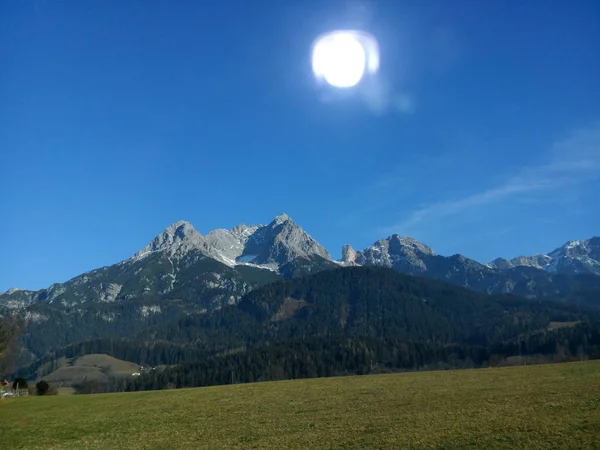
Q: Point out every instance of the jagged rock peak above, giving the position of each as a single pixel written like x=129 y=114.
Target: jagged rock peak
x=538 y=261
x=176 y=239
x=413 y=244
x=281 y=218
x=279 y=243
x=12 y=290
x=179 y=225
x=348 y=254
x=576 y=248
x=244 y=230
x=402 y=253
x=500 y=263
x=574 y=257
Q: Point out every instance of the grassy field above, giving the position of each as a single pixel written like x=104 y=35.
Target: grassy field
x=556 y=325
x=546 y=406
x=72 y=371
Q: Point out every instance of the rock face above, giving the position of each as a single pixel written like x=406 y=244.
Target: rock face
x=348 y=255
x=529 y=277
x=401 y=253
x=538 y=261
x=576 y=257
x=573 y=258
x=280 y=243
x=176 y=240
x=181 y=258
x=182 y=272
x=271 y=246
x=228 y=245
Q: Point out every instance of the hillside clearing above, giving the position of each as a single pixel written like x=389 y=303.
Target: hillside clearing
x=93 y=367
x=545 y=406
x=555 y=325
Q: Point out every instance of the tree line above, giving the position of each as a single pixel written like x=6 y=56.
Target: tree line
x=325 y=356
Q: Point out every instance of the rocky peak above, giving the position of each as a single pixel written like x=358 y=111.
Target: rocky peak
x=402 y=253
x=244 y=231
x=408 y=245
x=281 y=218
x=348 y=254
x=176 y=240
x=576 y=248
x=12 y=290
x=228 y=245
x=574 y=257
x=500 y=263
x=538 y=261
x=280 y=242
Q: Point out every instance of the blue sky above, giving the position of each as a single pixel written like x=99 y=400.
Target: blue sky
x=481 y=135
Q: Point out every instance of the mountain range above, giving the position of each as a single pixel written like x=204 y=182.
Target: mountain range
x=182 y=272
x=177 y=257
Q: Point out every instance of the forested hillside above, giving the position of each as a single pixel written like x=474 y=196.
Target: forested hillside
x=349 y=320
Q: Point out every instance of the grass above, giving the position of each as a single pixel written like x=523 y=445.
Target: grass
x=114 y=365
x=546 y=406
x=91 y=367
x=557 y=325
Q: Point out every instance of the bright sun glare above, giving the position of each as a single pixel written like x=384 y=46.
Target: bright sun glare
x=341 y=57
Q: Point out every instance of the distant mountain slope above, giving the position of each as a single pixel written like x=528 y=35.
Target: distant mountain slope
x=411 y=257
x=352 y=304
x=181 y=272
x=180 y=257
x=367 y=301
x=573 y=258
x=228 y=262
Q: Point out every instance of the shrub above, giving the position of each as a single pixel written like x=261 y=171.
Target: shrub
x=42 y=387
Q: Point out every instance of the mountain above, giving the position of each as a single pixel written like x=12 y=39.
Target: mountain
x=362 y=301
x=179 y=272
x=573 y=258
x=273 y=246
x=381 y=302
x=411 y=257
x=180 y=257
x=224 y=264
x=347 y=320
x=182 y=272
x=538 y=261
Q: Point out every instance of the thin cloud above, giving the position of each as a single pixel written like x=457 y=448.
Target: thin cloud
x=572 y=162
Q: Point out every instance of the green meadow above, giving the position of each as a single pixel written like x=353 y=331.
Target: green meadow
x=543 y=406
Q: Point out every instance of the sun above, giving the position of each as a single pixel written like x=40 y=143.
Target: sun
x=340 y=58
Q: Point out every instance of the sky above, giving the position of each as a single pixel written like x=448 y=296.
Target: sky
x=479 y=135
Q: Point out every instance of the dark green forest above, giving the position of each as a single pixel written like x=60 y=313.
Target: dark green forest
x=326 y=356
x=345 y=321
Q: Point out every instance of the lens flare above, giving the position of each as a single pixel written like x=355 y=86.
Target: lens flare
x=341 y=58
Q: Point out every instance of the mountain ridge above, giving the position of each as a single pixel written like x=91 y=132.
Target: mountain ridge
x=278 y=245
x=574 y=257
x=181 y=272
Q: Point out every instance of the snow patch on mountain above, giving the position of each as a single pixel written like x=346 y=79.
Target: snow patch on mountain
x=394 y=251
x=267 y=246
x=573 y=258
